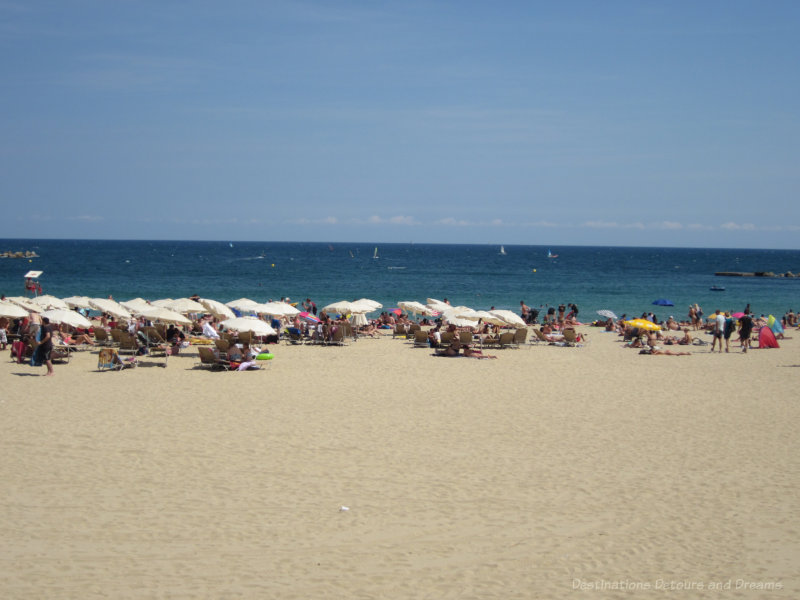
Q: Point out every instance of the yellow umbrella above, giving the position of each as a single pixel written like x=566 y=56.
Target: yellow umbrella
x=644 y=324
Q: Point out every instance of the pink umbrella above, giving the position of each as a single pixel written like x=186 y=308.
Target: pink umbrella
x=309 y=317
x=737 y=315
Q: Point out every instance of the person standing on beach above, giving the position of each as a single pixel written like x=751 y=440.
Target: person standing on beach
x=745 y=329
x=730 y=327
x=718 y=330
x=45 y=347
x=524 y=310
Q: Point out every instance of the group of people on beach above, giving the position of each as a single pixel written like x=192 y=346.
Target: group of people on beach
x=563 y=314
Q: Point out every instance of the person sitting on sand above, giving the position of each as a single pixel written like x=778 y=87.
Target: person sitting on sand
x=687 y=339
x=659 y=350
x=471 y=353
x=452 y=350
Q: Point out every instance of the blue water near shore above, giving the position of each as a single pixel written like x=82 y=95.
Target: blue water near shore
x=625 y=280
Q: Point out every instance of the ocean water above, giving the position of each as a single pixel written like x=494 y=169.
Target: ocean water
x=625 y=280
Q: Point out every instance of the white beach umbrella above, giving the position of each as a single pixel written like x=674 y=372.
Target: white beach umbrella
x=342 y=306
x=186 y=306
x=25 y=303
x=412 y=306
x=68 y=317
x=12 y=311
x=217 y=308
x=462 y=312
x=276 y=309
x=77 y=302
x=137 y=304
x=242 y=304
x=437 y=305
x=608 y=314
x=509 y=317
x=488 y=317
x=111 y=307
x=46 y=302
x=373 y=303
x=359 y=319
x=363 y=306
x=165 y=302
x=459 y=322
x=165 y=315
x=256 y=326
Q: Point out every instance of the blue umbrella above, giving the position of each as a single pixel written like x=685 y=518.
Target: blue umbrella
x=663 y=302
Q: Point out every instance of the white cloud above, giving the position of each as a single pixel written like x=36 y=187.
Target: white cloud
x=738 y=226
x=670 y=225
x=452 y=222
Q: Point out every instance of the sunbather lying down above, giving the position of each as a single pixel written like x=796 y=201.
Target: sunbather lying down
x=456 y=345
x=659 y=350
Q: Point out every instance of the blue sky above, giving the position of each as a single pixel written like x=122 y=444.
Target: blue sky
x=613 y=123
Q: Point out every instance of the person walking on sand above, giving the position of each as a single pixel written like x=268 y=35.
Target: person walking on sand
x=745 y=329
x=45 y=347
x=718 y=330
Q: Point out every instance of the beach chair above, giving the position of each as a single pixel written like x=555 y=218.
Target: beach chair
x=295 y=336
x=210 y=359
x=246 y=337
x=465 y=337
x=349 y=331
x=490 y=342
x=506 y=340
x=101 y=337
x=570 y=337
x=539 y=337
x=337 y=337
x=222 y=346
x=108 y=358
x=399 y=331
x=421 y=339
x=520 y=336
x=447 y=338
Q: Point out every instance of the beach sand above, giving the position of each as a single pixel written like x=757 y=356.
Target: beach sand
x=549 y=473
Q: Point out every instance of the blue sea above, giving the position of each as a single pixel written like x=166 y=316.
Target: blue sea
x=624 y=280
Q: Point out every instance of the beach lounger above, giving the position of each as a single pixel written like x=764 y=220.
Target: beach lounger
x=108 y=358
x=465 y=337
x=570 y=337
x=539 y=337
x=210 y=359
x=295 y=336
x=399 y=331
x=222 y=346
x=101 y=337
x=520 y=336
x=421 y=339
x=337 y=338
x=506 y=340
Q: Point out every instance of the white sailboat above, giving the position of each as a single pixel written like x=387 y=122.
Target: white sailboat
x=551 y=255
x=502 y=250
x=375 y=254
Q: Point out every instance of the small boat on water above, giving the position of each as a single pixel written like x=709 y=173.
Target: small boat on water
x=502 y=250
x=717 y=288
x=551 y=255
x=375 y=254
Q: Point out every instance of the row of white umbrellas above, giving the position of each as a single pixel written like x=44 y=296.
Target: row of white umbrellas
x=172 y=311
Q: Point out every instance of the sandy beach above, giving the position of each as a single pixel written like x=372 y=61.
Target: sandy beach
x=550 y=472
